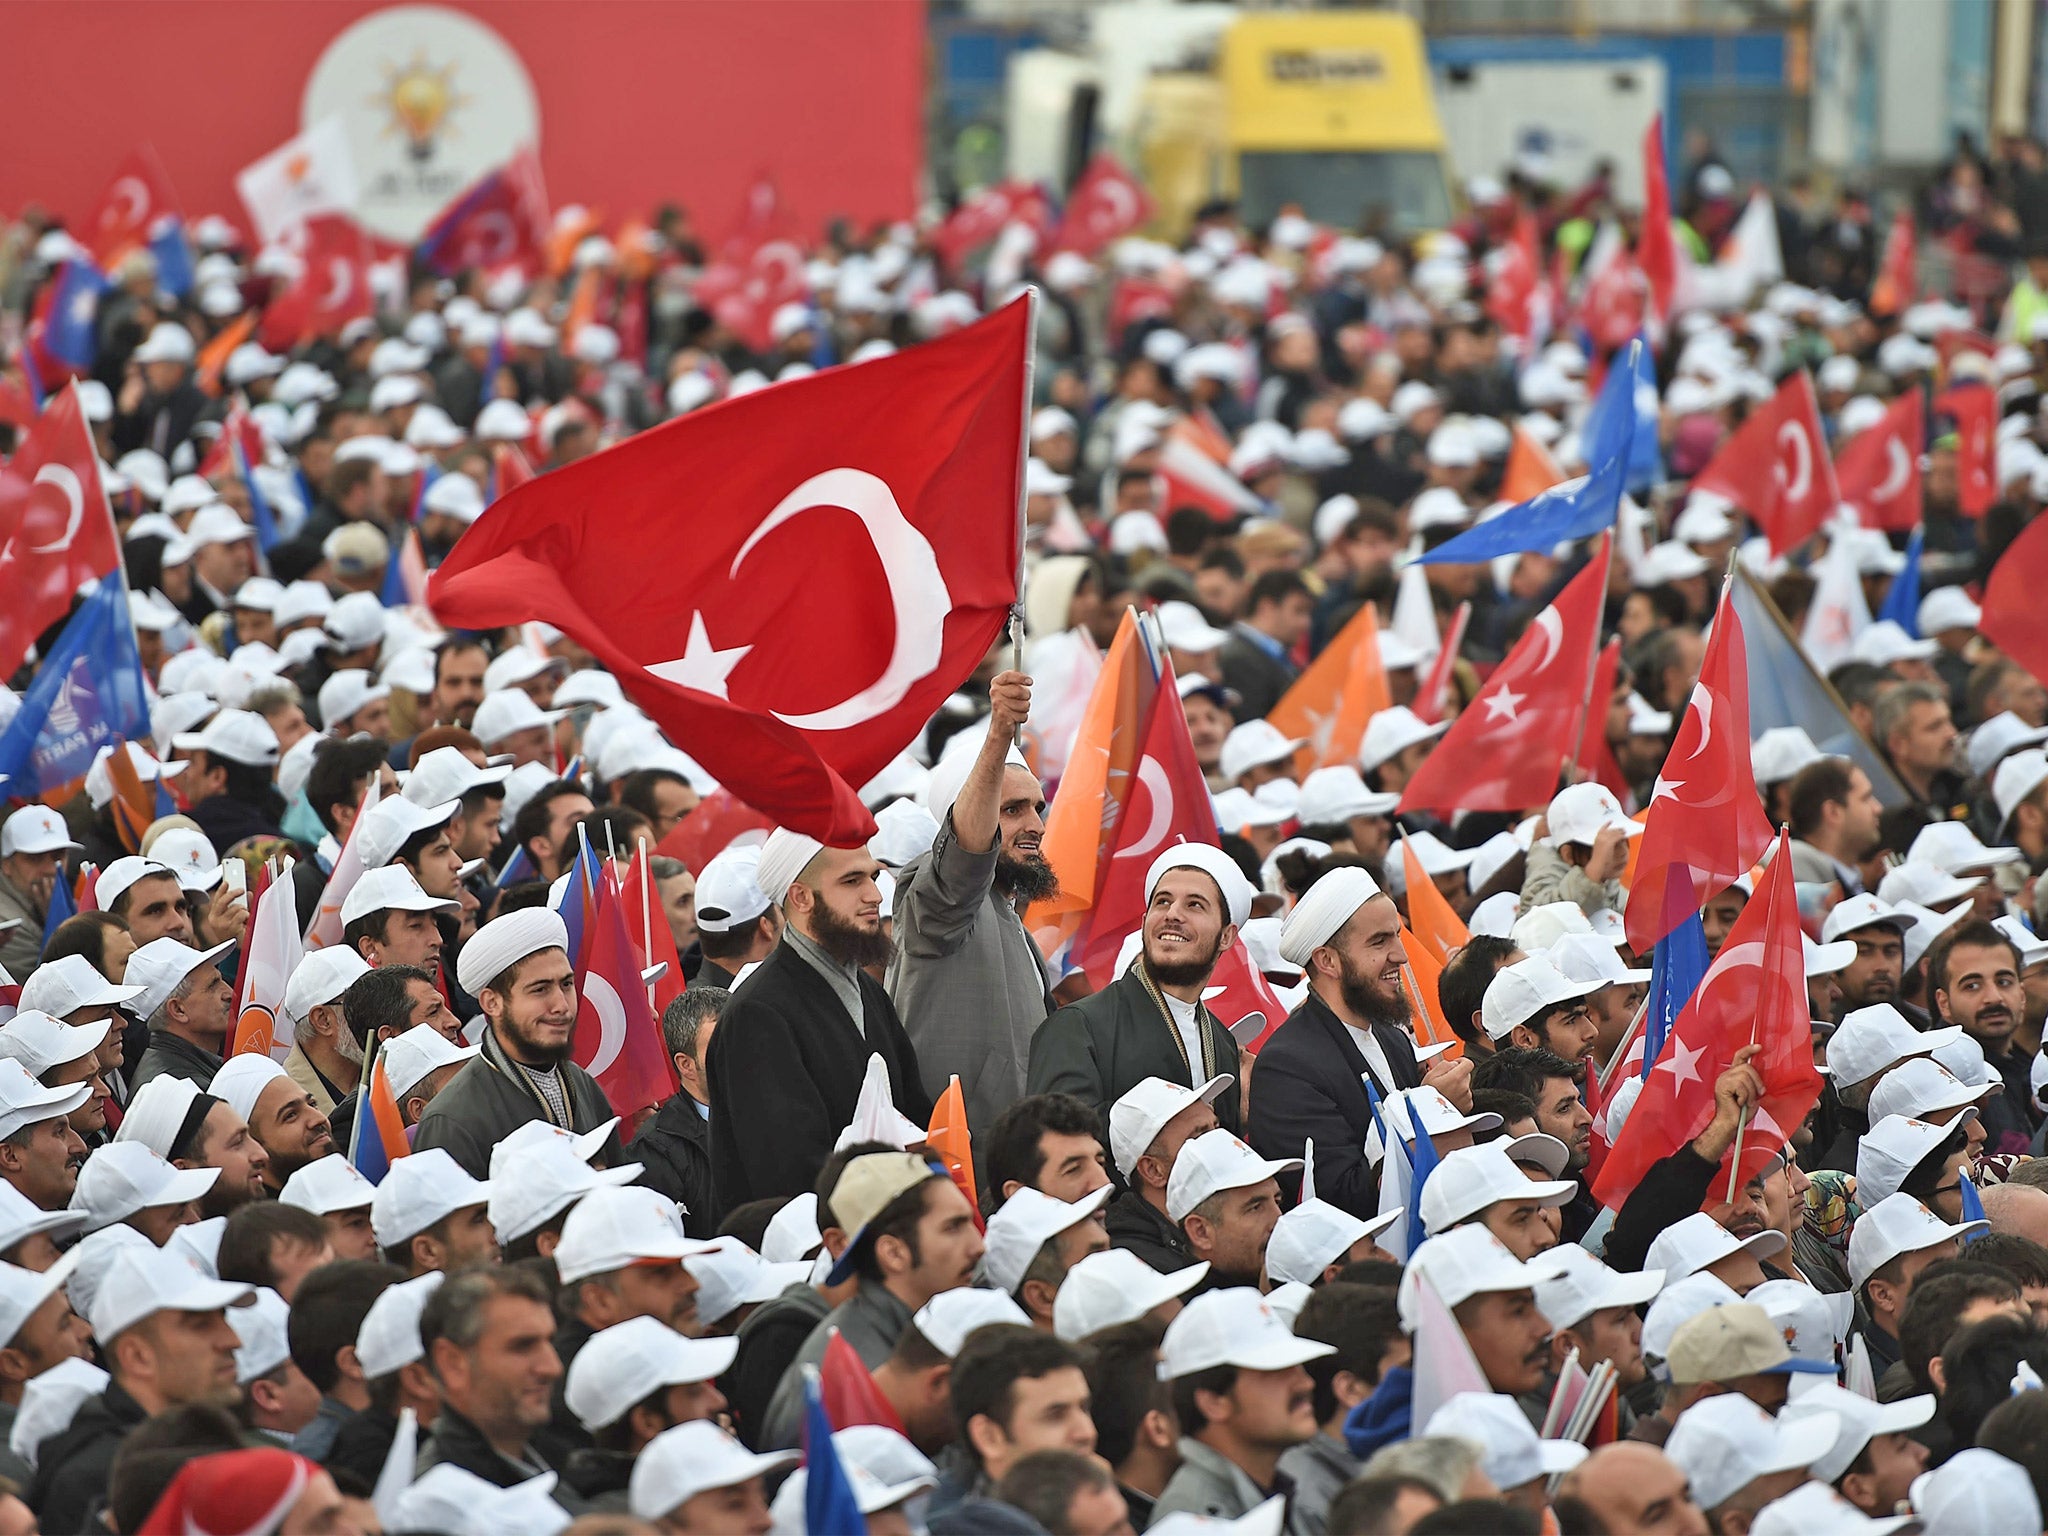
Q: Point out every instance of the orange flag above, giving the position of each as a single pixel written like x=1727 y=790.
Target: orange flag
x=1420 y=976
x=1531 y=470
x=949 y=1138
x=1429 y=915
x=1340 y=691
x=213 y=357
x=133 y=805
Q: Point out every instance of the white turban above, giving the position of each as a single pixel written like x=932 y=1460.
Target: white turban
x=1326 y=908
x=784 y=856
x=157 y=1113
x=504 y=942
x=241 y=1081
x=949 y=776
x=1213 y=862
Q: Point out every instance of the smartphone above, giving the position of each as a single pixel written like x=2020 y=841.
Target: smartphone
x=234 y=876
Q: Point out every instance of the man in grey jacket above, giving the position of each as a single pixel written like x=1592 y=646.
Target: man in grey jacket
x=968 y=982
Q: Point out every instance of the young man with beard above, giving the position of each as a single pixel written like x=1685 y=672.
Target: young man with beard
x=278 y=1112
x=968 y=980
x=1345 y=933
x=787 y=1060
x=517 y=967
x=1150 y=1021
x=1556 y=1087
x=1973 y=980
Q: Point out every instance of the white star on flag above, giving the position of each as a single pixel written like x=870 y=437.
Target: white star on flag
x=1503 y=705
x=1683 y=1062
x=702 y=666
x=1667 y=789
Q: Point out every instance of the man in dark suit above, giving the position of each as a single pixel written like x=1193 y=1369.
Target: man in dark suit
x=790 y=1051
x=1346 y=934
x=1257 y=659
x=1150 y=1021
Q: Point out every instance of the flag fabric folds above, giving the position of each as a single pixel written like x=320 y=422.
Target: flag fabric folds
x=56 y=530
x=1775 y=466
x=89 y=692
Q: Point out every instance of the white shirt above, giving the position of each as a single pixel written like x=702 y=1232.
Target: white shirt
x=1186 y=1021
x=1375 y=1056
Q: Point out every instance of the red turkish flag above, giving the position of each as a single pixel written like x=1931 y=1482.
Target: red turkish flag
x=135 y=199
x=1511 y=294
x=1504 y=752
x=647 y=929
x=1168 y=803
x=1878 y=471
x=1656 y=250
x=500 y=221
x=56 y=531
x=1134 y=300
x=1776 y=466
x=1753 y=994
x=790 y=583
x=1241 y=991
x=617 y=1040
x=1595 y=757
x=1705 y=825
x=510 y=467
x=333 y=289
x=2012 y=600
x=849 y=1393
x=1106 y=204
x=710 y=829
x=981 y=217
x=1974 y=409
x=744 y=295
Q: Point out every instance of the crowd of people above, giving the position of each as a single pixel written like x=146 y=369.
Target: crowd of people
x=1171 y=1291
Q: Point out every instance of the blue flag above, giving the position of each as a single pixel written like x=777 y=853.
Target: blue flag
x=71 y=335
x=1677 y=966
x=1576 y=509
x=88 y=692
x=829 y=1504
x=173 y=253
x=260 y=514
x=1973 y=1207
x=62 y=906
x=1423 y=1160
x=1902 y=603
x=1645 y=461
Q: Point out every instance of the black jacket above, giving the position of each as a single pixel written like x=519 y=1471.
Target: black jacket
x=362 y=1443
x=72 y=1465
x=786 y=1065
x=674 y=1149
x=769 y=1340
x=490 y=1098
x=1102 y=1047
x=1310 y=1085
x=1671 y=1190
x=1258 y=676
x=1144 y=1230
x=600 y=1478
x=227 y=819
x=459 y=1443
x=172 y=1055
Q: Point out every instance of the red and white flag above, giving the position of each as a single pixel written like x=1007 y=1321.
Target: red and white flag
x=1878 y=471
x=1190 y=478
x=326 y=926
x=2012 y=599
x=1656 y=249
x=1106 y=204
x=56 y=530
x=1705 y=826
x=1776 y=467
x=837 y=554
x=1505 y=751
x=312 y=174
x=333 y=288
x=617 y=1040
x=501 y=221
x=1753 y=994
x=1973 y=406
x=982 y=216
x=135 y=199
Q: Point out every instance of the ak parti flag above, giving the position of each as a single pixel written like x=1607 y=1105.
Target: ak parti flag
x=1656 y=248
x=1776 y=467
x=1878 y=470
x=950 y=1139
x=1974 y=409
x=56 y=532
x=1438 y=929
x=1705 y=826
x=1504 y=752
x=1338 y=692
x=2012 y=599
x=1753 y=994
x=788 y=522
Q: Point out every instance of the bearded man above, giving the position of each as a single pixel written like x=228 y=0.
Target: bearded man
x=1353 y=1025
x=968 y=981
x=790 y=1052
x=1151 y=1021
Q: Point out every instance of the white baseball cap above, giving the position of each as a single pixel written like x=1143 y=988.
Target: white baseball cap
x=1858 y=1421
x=1514 y=1453
x=1312 y=1236
x=1688 y=1246
x=507 y=712
x=1860 y=912
x=1522 y=991
x=344 y=693
x=123 y=1177
x=145 y=1280
x=1236 y=1327
x=730 y=1275
x=420 y=1190
x=1184 y=629
x=328 y=1185
x=1255 y=744
x=262 y=1328
x=533 y=1182
x=1590 y=957
x=949 y=1317
x=1827 y=959
x=387 y=825
x=410 y=1057
x=1780 y=753
x=1927 y=885
x=1332 y=796
x=1470 y=1179
x=1215 y=1161
x=25 y=1102
x=693 y=1458
x=1725 y=1443
x=190 y=854
x=1953 y=846
x=1893 y=1147
x=1874 y=1039
x=1581 y=812
x=1919 y=1087
x=1974 y=1491
x=1998 y=738
x=1581 y=1285
x=621 y=1366
x=235 y=734
x=21 y=1219
x=1116 y=1286
x=67 y=984
x=1025 y=1223
x=35 y=829
x=1137 y=1118
x=321 y=978
x=99 y=782
x=447 y=774
x=1464 y=1262
x=613 y=1228
x=40 y=1042
x=730 y=885
x=22 y=1291
x=1394 y=730
x=114 y=881
x=1899 y=1224
x=390 y=1335
x=2017 y=777
x=389 y=887
x=1438 y=1115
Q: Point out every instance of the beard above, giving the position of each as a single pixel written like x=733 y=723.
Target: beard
x=224 y=1199
x=1370 y=1001
x=847 y=942
x=347 y=1047
x=532 y=1052
x=1028 y=879
x=1183 y=973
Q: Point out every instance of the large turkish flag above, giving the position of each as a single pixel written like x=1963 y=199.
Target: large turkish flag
x=55 y=530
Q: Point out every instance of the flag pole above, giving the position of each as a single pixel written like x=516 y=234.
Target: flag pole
x=647 y=915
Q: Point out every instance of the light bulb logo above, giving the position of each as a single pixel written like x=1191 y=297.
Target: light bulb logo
x=419 y=98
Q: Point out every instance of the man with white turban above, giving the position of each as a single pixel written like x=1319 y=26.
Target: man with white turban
x=791 y=1049
x=1345 y=934
x=968 y=980
x=1150 y=1021
x=517 y=968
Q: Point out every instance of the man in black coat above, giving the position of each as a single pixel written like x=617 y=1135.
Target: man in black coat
x=1257 y=660
x=518 y=969
x=158 y=403
x=674 y=1147
x=787 y=1059
x=1150 y=1021
x=1346 y=934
